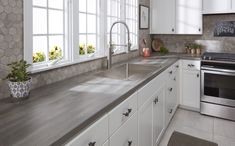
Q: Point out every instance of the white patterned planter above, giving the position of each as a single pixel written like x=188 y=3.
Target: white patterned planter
x=20 y=89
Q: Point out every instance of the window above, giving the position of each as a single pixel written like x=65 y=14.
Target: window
x=124 y=10
x=48 y=34
x=71 y=30
x=88 y=34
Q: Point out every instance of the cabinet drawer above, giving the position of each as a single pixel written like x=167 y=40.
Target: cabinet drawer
x=191 y=64
x=149 y=89
x=95 y=134
x=122 y=113
x=127 y=134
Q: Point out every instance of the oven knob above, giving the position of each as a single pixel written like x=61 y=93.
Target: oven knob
x=209 y=58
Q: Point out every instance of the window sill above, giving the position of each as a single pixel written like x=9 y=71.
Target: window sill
x=37 y=69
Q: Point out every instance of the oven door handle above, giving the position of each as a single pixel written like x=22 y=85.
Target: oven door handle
x=228 y=71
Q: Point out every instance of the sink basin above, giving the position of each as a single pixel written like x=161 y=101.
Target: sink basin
x=150 y=61
x=128 y=71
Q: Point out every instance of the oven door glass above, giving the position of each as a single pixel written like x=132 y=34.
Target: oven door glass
x=219 y=85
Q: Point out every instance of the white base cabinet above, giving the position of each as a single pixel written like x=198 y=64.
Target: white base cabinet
x=95 y=135
x=127 y=135
x=142 y=118
x=190 y=85
x=217 y=6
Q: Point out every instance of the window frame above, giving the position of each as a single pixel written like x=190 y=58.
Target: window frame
x=70 y=37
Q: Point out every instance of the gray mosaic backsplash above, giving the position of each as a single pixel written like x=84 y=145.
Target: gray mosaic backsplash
x=175 y=43
x=11 y=48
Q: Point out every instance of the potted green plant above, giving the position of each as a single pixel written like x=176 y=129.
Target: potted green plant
x=199 y=49
x=19 y=80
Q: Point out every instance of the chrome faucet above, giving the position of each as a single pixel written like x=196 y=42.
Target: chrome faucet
x=111 y=45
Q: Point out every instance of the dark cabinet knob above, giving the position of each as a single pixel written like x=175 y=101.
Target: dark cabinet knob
x=172 y=29
x=130 y=143
x=156 y=100
x=170 y=89
x=127 y=113
x=170 y=111
x=198 y=75
x=170 y=72
x=199 y=29
x=177 y=66
x=91 y=144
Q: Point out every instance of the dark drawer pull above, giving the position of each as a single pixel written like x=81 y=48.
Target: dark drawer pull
x=170 y=111
x=127 y=113
x=156 y=100
x=170 y=89
x=170 y=72
x=92 y=144
x=130 y=143
x=177 y=66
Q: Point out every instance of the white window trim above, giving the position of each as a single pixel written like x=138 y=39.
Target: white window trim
x=71 y=55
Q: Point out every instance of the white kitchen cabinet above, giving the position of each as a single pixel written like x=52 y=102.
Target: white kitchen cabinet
x=145 y=124
x=122 y=113
x=162 y=16
x=217 y=6
x=158 y=116
x=191 y=89
x=95 y=135
x=172 y=92
x=151 y=119
x=127 y=134
x=233 y=5
x=189 y=17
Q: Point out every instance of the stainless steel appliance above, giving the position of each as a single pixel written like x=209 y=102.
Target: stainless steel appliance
x=218 y=85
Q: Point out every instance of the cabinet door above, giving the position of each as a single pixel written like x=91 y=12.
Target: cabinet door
x=106 y=143
x=191 y=89
x=162 y=16
x=145 y=124
x=188 y=16
x=233 y=5
x=96 y=134
x=158 y=116
x=216 y=6
x=170 y=101
x=127 y=134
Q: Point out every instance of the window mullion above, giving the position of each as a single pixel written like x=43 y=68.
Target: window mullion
x=47 y=53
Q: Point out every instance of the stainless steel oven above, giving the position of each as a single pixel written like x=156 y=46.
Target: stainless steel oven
x=218 y=88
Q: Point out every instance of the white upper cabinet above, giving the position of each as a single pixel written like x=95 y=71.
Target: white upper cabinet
x=233 y=5
x=188 y=16
x=218 y=6
x=176 y=17
x=162 y=16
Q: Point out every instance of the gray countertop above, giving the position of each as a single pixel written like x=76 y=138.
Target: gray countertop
x=56 y=113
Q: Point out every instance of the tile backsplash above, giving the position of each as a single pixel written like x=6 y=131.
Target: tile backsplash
x=175 y=43
x=11 y=48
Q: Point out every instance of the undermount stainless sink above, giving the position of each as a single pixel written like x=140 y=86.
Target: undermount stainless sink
x=150 y=61
x=128 y=71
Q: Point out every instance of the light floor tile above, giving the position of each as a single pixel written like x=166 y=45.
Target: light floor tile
x=224 y=141
x=204 y=127
x=224 y=128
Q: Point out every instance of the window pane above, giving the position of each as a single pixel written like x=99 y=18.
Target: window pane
x=91 y=23
x=82 y=23
x=39 y=21
x=58 y=4
x=82 y=44
x=39 y=48
x=56 y=44
x=42 y=3
x=91 y=8
x=56 y=22
x=82 y=5
x=113 y=8
x=91 y=44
